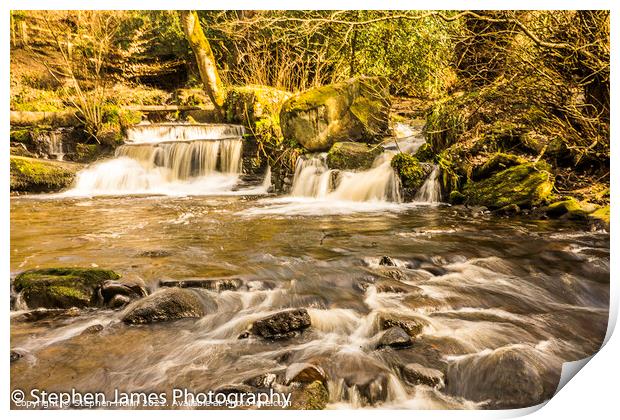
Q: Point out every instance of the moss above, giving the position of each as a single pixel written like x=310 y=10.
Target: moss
x=525 y=185
x=409 y=170
x=572 y=208
x=425 y=153
x=86 y=152
x=37 y=175
x=497 y=162
x=21 y=135
x=61 y=287
x=456 y=197
x=312 y=397
x=602 y=214
x=352 y=156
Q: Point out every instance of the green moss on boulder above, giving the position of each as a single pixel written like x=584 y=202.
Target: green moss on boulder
x=39 y=175
x=411 y=173
x=352 y=156
x=571 y=208
x=525 y=185
x=497 y=162
x=353 y=110
x=601 y=215
x=61 y=287
x=313 y=396
x=425 y=153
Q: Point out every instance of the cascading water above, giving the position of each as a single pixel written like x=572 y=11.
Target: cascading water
x=314 y=179
x=430 y=191
x=169 y=159
x=53 y=142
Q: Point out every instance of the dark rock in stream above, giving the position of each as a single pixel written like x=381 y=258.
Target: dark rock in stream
x=371 y=386
x=285 y=324
x=394 y=337
x=16 y=354
x=313 y=396
x=115 y=294
x=410 y=325
x=304 y=373
x=119 y=301
x=416 y=374
x=262 y=381
x=155 y=253
x=219 y=284
x=164 y=305
x=387 y=261
x=93 y=329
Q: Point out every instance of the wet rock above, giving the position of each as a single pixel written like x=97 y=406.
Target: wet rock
x=116 y=294
x=411 y=172
x=243 y=335
x=62 y=287
x=413 y=327
x=433 y=269
x=93 y=329
x=304 y=373
x=371 y=386
x=394 y=337
x=119 y=301
x=353 y=110
x=281 y=325
x=395 y=286
x=219 y=284
x=235 y=389
x=387 y=261
x=16 y=354
x=265 y=380
x=507 y=377
x=46 y=314
x=416 y=374
x=313 y=396
x=509 y=210
x=164 y=305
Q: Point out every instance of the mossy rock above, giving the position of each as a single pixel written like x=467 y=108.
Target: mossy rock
x=601 y=216
x=249 y=104
x=456 y=197
x=425 y=153
x=352 y=156
x=497 y=162
x=353 y=110
x=39 y=175
x=62 y=287
x=411 y=173
x=313 y=396
x=570 y=208
x=525 y=185
x=87 y=152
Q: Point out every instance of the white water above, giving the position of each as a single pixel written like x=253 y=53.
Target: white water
x=169 y=159
x=430 y=191
x=156 y=133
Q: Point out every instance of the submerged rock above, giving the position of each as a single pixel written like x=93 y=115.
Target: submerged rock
x=371 y=385
x=62 y=287
x=219 y=284
x=353 y=110
x=46 y=314
x=93 y=329
x=394 y=337
x=352 y=156
x=416 y=374
x=16 y=354
x=509 y=378
x=281 y=325
x=387 y=261
x=525 y=185
x=164 y=305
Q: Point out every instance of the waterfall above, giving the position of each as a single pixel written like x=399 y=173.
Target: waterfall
x=169 y=159
x=154 y=133
x=314 y=179
x=430 y=191
x=53 y=142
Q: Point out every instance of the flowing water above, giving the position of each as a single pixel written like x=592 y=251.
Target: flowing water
x=502 y=302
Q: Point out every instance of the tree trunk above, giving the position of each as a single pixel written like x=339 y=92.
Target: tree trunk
x=204 y=57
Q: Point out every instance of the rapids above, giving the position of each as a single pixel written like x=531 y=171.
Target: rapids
x=498 y=298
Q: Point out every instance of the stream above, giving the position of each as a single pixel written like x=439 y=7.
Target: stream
x=502 y=302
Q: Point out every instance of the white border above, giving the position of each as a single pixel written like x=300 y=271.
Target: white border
x=594 y=393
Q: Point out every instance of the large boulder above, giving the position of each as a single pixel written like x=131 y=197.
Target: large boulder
x=353 y=110
x=164 y=305
x=62 y=287
x=349 y=155
x=281 y=325
x=411 y=172
x=39 y=175
x=525 y=185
